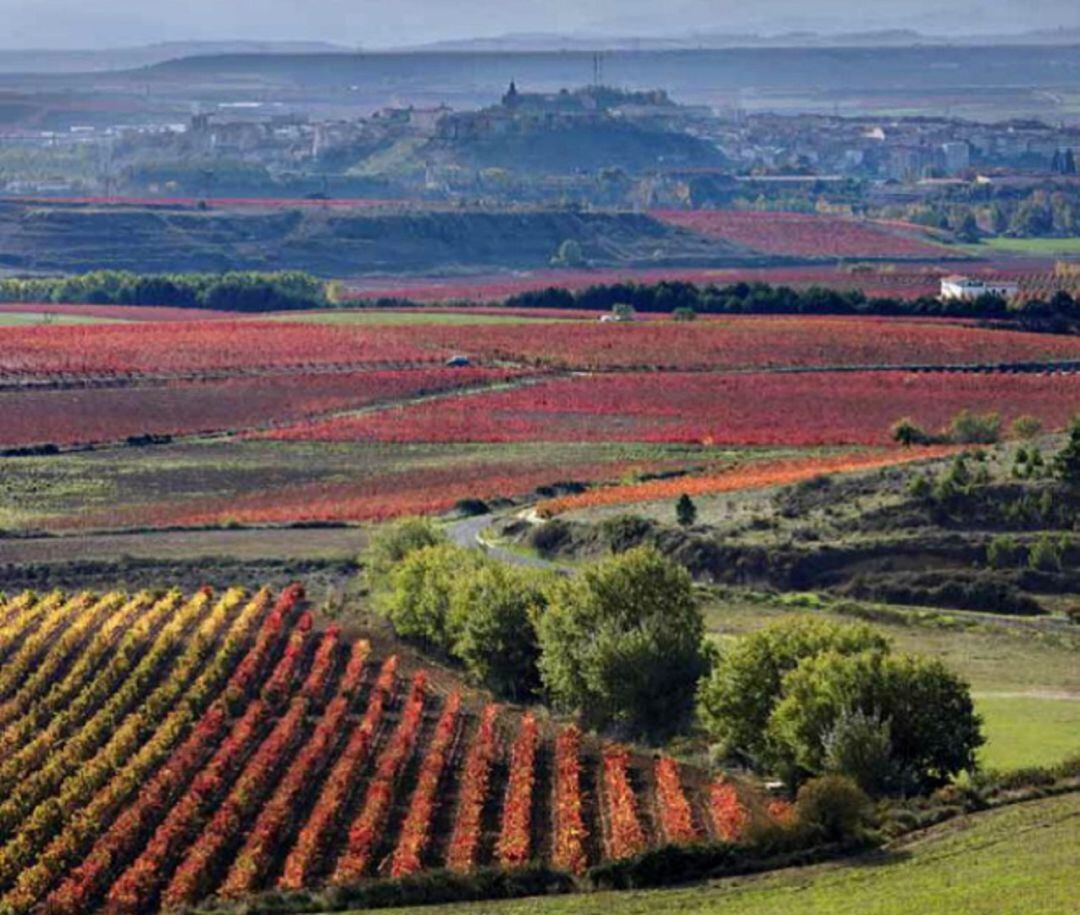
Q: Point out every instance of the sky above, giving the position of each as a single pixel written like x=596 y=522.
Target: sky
x=387 y=23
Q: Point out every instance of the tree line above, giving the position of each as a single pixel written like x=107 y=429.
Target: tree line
x=763 y=298
x=234 y=291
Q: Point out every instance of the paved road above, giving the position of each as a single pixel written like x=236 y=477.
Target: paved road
x=466 y=533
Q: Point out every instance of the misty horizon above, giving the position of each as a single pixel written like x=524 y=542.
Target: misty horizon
x=112 y=24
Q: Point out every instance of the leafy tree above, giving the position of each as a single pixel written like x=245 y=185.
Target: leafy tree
x=569 y=255
x=393 y=542
x=622 y=643
x=975 y=428
x=684 y=313
x=686 y=511
x=1003 y=552
x=493 y=614
x=745 y=685
x=933 y=726
x=1046 y=553
x=419 y=590
x=1067 y=461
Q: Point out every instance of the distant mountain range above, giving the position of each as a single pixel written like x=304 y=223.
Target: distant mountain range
x=89 y=61
x=46 y=61
x=543 y=41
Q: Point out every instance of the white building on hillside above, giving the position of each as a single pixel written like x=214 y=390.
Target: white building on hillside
x=967 y=289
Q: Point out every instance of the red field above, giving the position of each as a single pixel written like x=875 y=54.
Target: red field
x=161 y=750
x=808 y=235
x=214 y=202
x=374 y=496
x=821 y=408
x=89 y=415
x=244 y=347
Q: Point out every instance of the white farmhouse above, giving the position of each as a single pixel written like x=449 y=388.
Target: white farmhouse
x=967 y=289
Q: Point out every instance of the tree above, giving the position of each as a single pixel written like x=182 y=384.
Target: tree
x=932 y=722
x=686 y=511
x=1026 y=427
x=622 y=643
x=417 y=596
x=684 y=313
x=1067 y=461
x=907 y=432
x=736 y=701
x=833 y=808
x=569 y=254
x=492 y=620
x=393 y=542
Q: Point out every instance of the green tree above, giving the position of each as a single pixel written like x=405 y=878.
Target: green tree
x=859 y=746
x=833 y=808
x=622 y=643
x=1026 y=427
x=419 y=590
x=393 y=542
x=686 y=511
x=1067 y=461
x=907 y=432
x=932 y=722
x=492 y=620
x=745 y=685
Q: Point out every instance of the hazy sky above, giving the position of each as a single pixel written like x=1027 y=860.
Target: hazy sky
x=381 y=23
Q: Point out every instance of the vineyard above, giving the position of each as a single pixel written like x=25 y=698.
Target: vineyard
x=120 y=352
x=807 y=234
x=158 y=749
x=789 y=409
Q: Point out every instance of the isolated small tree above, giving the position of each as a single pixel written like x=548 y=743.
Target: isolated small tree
x=968 y=428
x=686 y=511
x=569 y=254
x=622 y=643
x=1046 y=553
x=908 y=433
x=684 y=313
x=833 y=808
x=1067 y=461
x=623 y=311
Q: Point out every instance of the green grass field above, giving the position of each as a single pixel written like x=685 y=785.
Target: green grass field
x=1022 y=859
x=1037 y=246
x=387 y=317
x=1028 y=730
x=31 y=318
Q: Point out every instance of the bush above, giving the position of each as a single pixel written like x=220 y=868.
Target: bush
x=1003 y=552
x=735 y=703
x=859 y=746
x=832 y=808
x=1067 y=461
x=393 y=542
x=969 y=428
x=1026 y=427
x=624 y=532
x=908 y=433
x=1046 y=553
x=685 y=511
x=622 y=642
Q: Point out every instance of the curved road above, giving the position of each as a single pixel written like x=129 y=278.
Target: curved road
x=466 y=533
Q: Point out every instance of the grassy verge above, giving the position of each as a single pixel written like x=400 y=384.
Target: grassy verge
x=1028 y=730
x=1019 y=859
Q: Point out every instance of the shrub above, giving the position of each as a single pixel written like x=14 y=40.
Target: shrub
x=907 y=433
x=622 y=642
x=859 y=746
x=833 y=808
x=969 y=428
x=1003 y=551
x=1025 y=427
x=685 y=511
x=1045 y=554
x=684 y=313
x=1067 y=461
x=624 y=532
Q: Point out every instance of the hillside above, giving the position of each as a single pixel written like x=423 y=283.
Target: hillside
x=338 y=241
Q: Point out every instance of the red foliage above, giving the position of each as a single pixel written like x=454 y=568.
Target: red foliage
x=475 y=780
x=416 y=830
x=807 y=234
x=676 y=819
x=627 y=837
x=305 y=859
x=729 y=816
x=277 y=819
x=822 y=408
x=91 y=415
x=568 y=851
x=515 y=839
x=366 y=829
